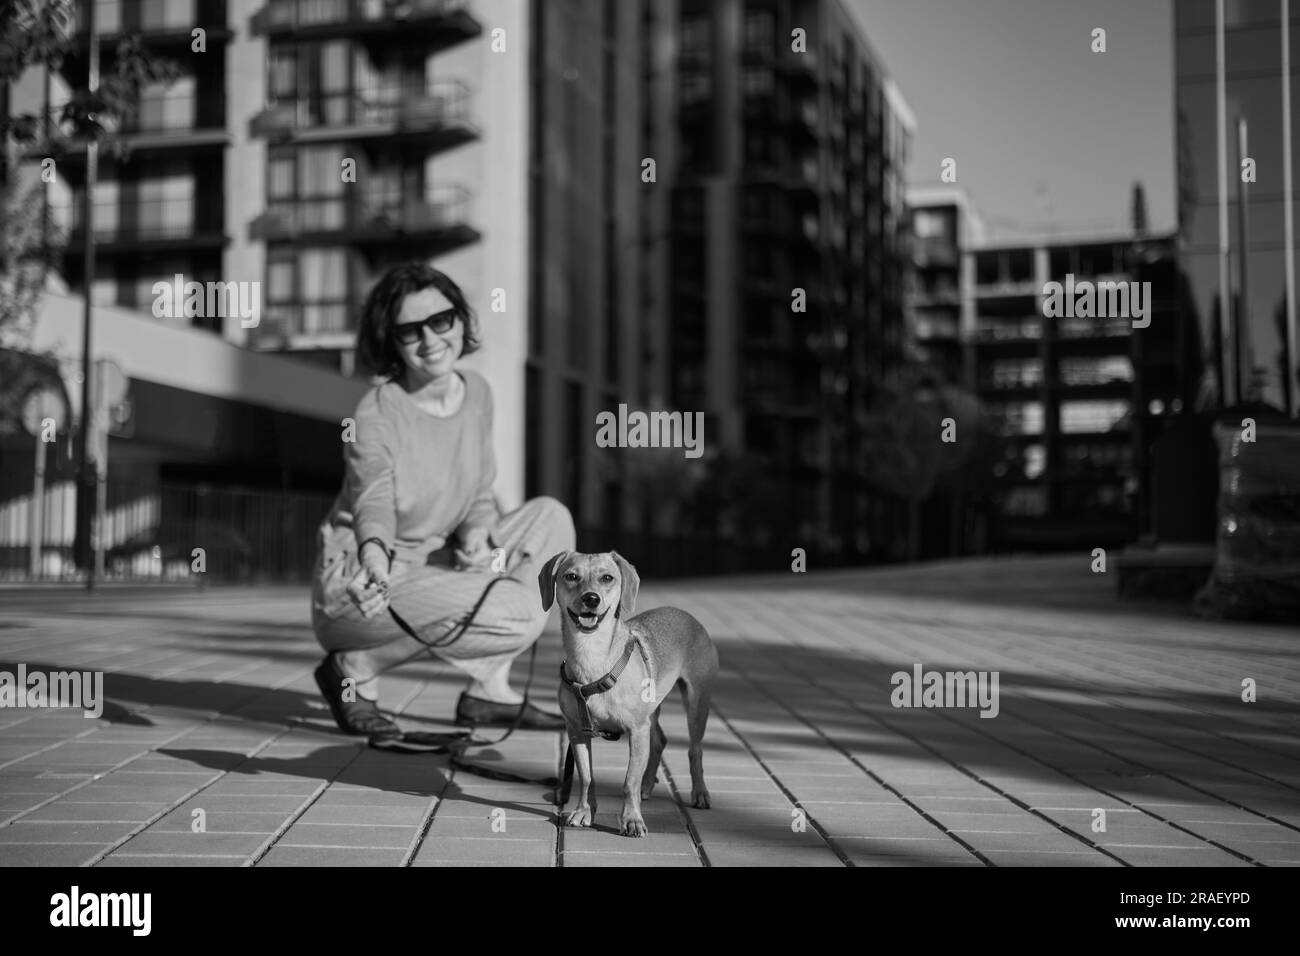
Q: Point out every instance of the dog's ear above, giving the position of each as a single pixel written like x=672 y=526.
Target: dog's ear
x=546 y=579
x=631 y=584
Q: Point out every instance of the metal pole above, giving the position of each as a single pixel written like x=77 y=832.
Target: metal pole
x=37 y=512
x=1241 y=324
x=1290 y=386
x=1227 y=386
x=88 y=491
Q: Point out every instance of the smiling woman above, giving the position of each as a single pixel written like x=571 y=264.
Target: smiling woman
x=416 y=525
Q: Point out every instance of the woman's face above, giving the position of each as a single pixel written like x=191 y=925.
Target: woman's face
x=433 y=354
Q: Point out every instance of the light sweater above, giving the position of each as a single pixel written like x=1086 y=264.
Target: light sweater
x=412 y=479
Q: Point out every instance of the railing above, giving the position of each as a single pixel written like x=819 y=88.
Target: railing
x=294 y=14
x=160 y=113
x=312 y=318
x=144 y=219
x=151 y=533
x=443 y=207
x=1093 y=328
x=1009 y=331
x=173 y=16
x=441 y=104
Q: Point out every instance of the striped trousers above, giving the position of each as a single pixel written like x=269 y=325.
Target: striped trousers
x=434 y=598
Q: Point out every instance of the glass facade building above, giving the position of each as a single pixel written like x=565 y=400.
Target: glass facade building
x=1249 y=365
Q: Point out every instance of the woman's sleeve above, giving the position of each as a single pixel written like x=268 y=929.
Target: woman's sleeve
x=483 y=509
x=369 y=462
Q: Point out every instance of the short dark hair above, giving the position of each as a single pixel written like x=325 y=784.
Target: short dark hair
x=377 y=346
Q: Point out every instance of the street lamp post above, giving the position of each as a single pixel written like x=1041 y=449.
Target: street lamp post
x=88 y=491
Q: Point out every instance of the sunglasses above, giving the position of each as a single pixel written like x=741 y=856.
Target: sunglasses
x=408 y=333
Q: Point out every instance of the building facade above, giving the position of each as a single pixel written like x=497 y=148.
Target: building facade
x=1075 y=400
x=1244 y=324
x=788 y=259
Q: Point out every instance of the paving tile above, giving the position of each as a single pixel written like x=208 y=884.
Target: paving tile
x=22 y=831
x=739 y=855
x=316 y=856
x=312 y=834
x=138 y=860
x=193 y=844
x=50 y=854
x=499 y=849
x=585 y=858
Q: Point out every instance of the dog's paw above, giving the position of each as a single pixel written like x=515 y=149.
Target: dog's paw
x=700 y=799
x=634 y=827
x=580 y=817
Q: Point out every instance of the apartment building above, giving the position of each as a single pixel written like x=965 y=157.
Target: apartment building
x=1064 y=392
x=788 y=258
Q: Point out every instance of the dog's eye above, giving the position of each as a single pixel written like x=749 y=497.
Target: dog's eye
x=571 y=576
x=606 y=578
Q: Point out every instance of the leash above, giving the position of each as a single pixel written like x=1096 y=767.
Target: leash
x=458 y=747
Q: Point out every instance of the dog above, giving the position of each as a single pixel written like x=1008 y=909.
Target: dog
x=617 y=671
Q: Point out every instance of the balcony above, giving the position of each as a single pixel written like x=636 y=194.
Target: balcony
x=439 y=116
x=143 y=226
x=439 y=23
x=163 y=24
x=935 y=293
x=934 y=252
x=1077 y=328
x=1025 y=331
x=318 y=324
x=935 y=328
x=439 y=222
x=802 y=68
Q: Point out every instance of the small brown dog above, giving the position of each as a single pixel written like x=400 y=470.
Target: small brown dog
x=617 y=671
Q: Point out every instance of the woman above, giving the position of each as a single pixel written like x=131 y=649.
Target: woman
x=416 y=522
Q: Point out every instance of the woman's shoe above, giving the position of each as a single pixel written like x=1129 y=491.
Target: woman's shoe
x=486 y=713
x=360 y=716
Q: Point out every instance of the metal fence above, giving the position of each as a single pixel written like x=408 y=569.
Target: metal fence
x=194 y=533
x=170 y=532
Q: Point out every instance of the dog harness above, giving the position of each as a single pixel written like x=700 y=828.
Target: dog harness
x=600 y=686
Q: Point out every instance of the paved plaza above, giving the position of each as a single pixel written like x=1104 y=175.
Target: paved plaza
x=1131 y=709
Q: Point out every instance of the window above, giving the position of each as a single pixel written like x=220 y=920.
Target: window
x=1096 y=371
x=928 y=224
x=758 y=81
x=696 y=87
x=279 y=177
x=695 y=36
x=166 y=206
x=1092 y=416
x=760 y=31
x=1027 y=500
x=323 y=277
x=282 y=75
x=167 y=14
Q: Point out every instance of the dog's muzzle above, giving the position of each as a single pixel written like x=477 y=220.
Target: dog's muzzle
x=587 y=621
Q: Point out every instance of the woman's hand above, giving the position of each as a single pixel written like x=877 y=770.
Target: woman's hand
x=474 y=551
x=369 y=588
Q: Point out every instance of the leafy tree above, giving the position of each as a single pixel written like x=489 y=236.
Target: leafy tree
x=40 y=34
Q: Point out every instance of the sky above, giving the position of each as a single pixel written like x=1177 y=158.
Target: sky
x=1047 y=135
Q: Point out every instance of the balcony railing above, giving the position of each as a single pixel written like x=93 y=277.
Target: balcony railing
x=1093 y=328
x=115 y=17
x=445 y=104
x=312 y=318
x=144 y=219
x=934 y=251
x=1009 y=331
x=446 y=207
x=281 y=16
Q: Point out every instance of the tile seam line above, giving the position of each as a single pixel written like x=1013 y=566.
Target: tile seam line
x=789 y=795
x=871 y=775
